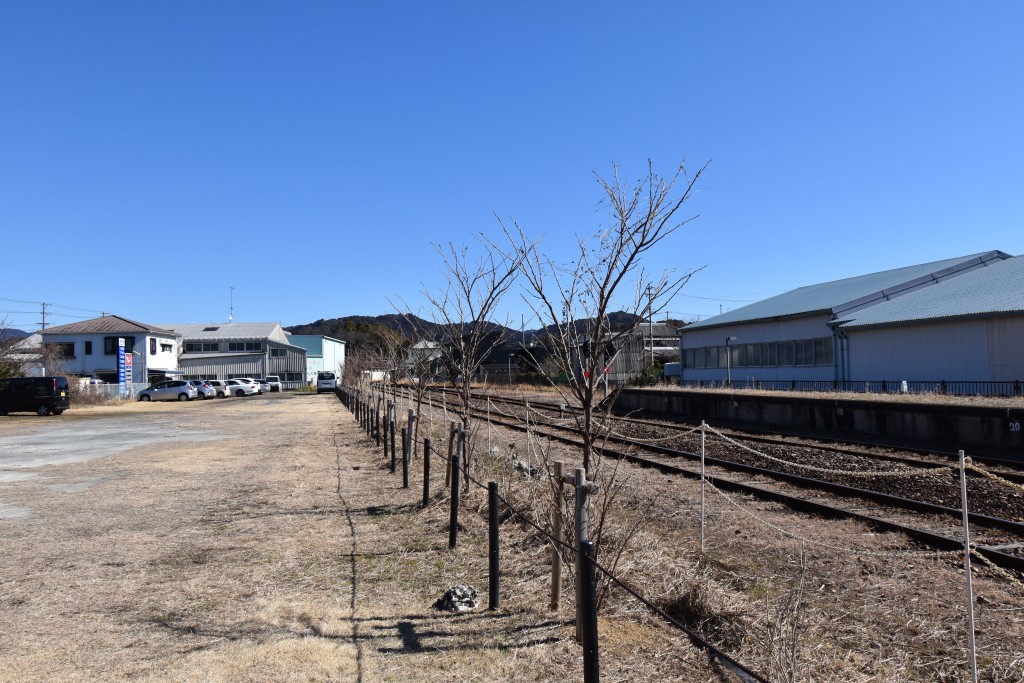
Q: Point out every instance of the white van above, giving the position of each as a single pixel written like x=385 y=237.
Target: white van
x=326 y=381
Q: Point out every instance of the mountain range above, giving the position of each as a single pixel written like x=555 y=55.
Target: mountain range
x=357 y=330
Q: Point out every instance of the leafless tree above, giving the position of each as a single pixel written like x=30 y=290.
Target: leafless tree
x=10 y=361
x=463 y=309
x=574 y=300
x=389 y=349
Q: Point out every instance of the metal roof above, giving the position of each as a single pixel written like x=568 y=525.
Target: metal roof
x=995 y=289
x=109 y=324
x=231 y=331
x=850 y=294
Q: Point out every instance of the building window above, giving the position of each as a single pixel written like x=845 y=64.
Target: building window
x=278 y=353
x=169 y=348
x=61 y=350
x=110 y=345
x=152 y=346
x=245 y=346
x=88 y=348
x=197 y=347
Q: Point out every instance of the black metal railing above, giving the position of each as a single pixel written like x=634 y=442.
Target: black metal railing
x=950 y=387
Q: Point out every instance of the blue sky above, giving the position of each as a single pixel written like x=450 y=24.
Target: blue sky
x=153 y=155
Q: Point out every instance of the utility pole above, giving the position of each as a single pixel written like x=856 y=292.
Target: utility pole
x=43 y=326
x=231 y=310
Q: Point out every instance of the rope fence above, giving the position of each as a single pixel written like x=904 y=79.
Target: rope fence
x=583 y=552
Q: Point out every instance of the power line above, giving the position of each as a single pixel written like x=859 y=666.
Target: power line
x=49 y=304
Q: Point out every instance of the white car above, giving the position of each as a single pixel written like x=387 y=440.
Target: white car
x=326 y=381
x=242 y=386
x=275 y=382
x=260 y=389
x=221 y=387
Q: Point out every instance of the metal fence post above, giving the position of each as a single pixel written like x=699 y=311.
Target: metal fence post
x=588 y=614
x=556 y=531
x=453 y=513
x=703 y=428
x=426 y=471
x=406 y=439
x=964 y=462
x=394 y=455
x=494 y=572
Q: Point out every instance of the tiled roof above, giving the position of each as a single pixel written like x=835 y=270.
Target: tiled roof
x=108 y=324
x=995 y=289
x=850 y=294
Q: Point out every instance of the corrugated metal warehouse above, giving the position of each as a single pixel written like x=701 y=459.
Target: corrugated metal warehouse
x=956 y=319
x=229 y=350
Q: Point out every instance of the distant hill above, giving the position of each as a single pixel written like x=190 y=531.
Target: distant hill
x=13 y=333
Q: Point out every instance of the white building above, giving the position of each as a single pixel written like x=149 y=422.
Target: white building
x=322 y=353
x=90 y=349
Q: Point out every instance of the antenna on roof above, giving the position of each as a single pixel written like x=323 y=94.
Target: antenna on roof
x=231 y=311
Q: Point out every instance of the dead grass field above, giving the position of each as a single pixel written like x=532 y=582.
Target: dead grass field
x=284 y=550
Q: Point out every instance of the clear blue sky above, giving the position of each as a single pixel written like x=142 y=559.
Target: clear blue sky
x=152 y=155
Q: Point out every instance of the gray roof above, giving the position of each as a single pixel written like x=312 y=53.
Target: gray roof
x=995 y=289
x=108 y=324
x=231 y=331
x=844 y=296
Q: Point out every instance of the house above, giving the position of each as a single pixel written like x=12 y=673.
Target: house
x=91 y=348
x=322 y=353
x=424 y=359
x=239 y=349
x=958 y=318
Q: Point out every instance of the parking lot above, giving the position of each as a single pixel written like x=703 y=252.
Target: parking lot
x=170 y=541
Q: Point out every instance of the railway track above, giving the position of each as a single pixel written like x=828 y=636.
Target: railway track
x=999 y=539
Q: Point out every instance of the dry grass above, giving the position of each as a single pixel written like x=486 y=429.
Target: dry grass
x=286 y=552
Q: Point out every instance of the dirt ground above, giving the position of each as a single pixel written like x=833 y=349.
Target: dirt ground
x=260 y=550
x=263 y=539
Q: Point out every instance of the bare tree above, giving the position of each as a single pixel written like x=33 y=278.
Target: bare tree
x=389 y=349
x=606 y=275
x=11 y=362
x=463 y=308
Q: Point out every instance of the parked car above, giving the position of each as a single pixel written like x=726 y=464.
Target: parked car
x=242 y=387
x=326 y=381
x=250 y=380
x=265 y=387
x=40 y=395
x=169 y=390
x=221 y=387
x=203 y=389
x=275 y=382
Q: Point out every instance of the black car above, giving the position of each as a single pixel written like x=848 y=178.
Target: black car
x=40 y=395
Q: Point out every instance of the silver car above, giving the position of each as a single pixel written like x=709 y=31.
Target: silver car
x=203 y=389
x=169 y=390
